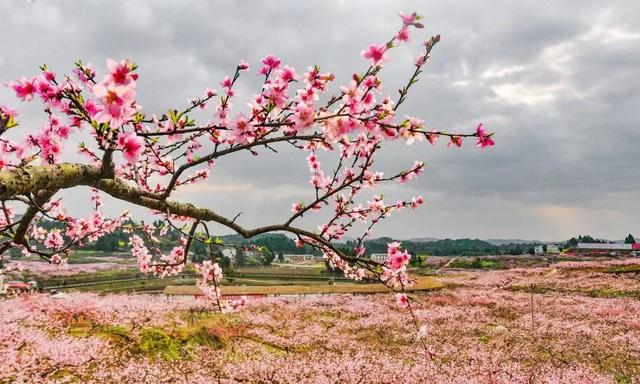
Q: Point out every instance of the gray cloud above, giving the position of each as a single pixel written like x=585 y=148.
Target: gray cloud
x=557 y=82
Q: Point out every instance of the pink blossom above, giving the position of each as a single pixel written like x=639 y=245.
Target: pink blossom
x=432 y=136
x=50 y=144
x=121 y=73
x=24 y=88
x=402 y=300
x=209 y=92
x=243 y=66
x=58 y=260
x=131 y=145
x=484 y=140
x=54 y=239
x=287 y=74
x=276 y=91
x=303 y=116
x=396 y=258
x=211 y=277
x=403 y=35
x=270 y=62
x=411 y=19
x=417 y=202
x=243 y=130
x=85 y=73
x=91 y=108
x=49 y=75
x=226 y=83
x=45 y=88
x=117 y=103
x=79 y=228
x=376 y=52
x=297 y=207
x=455 y=141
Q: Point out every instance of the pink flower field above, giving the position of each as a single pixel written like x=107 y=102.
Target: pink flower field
x=543 y=325
x=40 y=268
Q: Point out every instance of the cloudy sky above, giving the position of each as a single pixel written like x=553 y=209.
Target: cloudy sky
x=558 y=81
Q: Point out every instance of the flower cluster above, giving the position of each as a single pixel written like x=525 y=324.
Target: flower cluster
x=394 y=272
x=210 y=281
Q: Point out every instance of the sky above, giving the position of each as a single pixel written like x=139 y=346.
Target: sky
x=557 y=81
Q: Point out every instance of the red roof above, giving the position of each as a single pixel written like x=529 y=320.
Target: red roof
x=17 y=284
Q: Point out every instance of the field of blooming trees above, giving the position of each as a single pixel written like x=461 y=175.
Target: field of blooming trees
x=568 y=323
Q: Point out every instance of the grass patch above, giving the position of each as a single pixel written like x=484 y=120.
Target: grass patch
x=605 y=292
x=311 y=270
x=115 y=333
x=424 y=283
x=170 y=343
x=155 y=342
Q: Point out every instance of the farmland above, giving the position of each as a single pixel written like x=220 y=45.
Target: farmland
x=570 y=322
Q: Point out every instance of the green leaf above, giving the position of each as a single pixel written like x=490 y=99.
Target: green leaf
x=173 y=115
x=11 y=123
x=137 y=119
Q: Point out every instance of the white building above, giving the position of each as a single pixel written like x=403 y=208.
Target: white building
x=551 y=248
x=291 y=258
x=379 y=257
x=229 y=252
x=607 y=246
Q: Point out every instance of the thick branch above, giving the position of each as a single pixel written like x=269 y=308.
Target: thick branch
x=44 y=181
x=21 y=181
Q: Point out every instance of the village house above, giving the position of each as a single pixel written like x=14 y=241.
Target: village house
x=379 y=257
x=291 y=258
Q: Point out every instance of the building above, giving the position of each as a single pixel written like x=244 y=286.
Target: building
x=16 y=287
x=379 y=257
x=229 y=252
x=608 y=248
x=550 y=249
x=291 y=258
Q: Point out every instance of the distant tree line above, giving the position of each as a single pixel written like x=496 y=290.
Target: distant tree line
x=273 y=246
x=446 y=247
x=267 y=246
x=573 y=242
